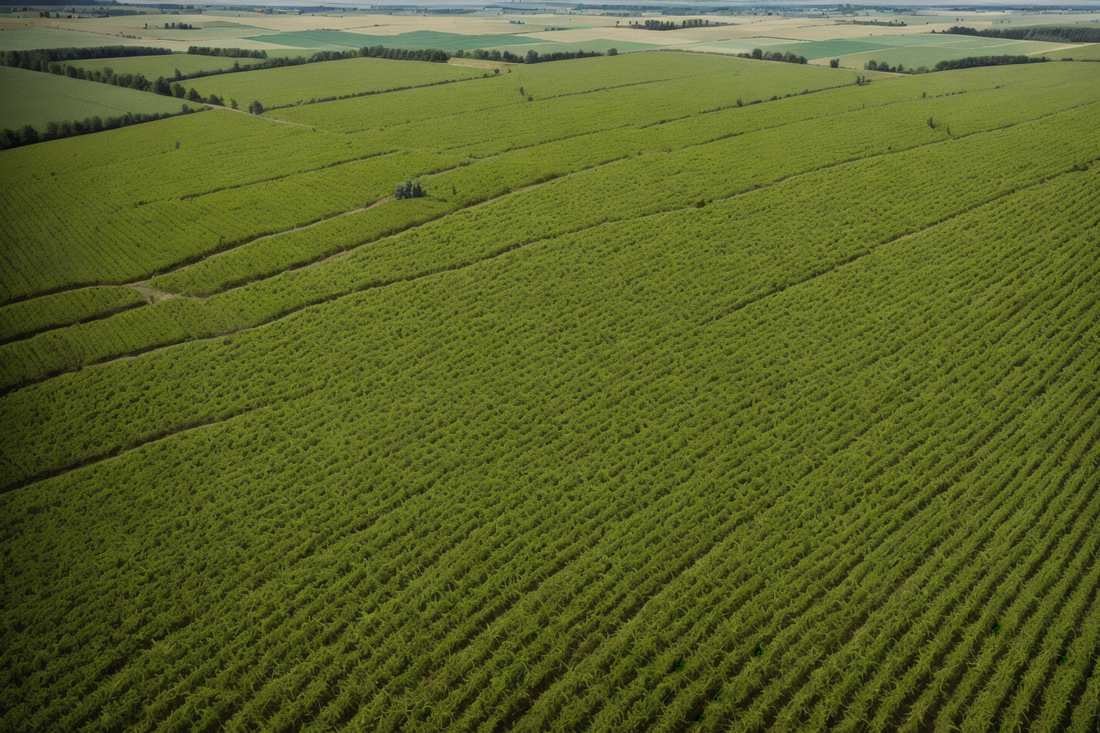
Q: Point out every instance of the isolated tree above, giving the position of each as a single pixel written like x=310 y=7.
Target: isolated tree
x=256 y=108
x=757 y=54
x=613 y=51
x=834 y=64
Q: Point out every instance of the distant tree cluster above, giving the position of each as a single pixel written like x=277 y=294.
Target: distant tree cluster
x=670 y=25
x=885 y=66
x=40 y=59
x=405 y=54
x=1050 y=34
x=967 y=63
x=240 y=53
x=532 y=57
x=408 y=190
x=180 y=26
x=786 y=57
x=972 y=61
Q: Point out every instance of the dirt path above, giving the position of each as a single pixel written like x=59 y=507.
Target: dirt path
x=265 y=117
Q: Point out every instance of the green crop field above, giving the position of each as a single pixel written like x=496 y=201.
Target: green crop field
x=919 y=49
x=696 y=394
x=1089 y=52
x=34 y=98
x=166 y=66
x=520 y=45
x=913 y=56
x=301 y=84
x=420 y=39
x=33 y=37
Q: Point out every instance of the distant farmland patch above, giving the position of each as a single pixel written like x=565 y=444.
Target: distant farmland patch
x=330 y=79
x=33 y=98
x=417 y=39
x=920 y=49
x=32 y=37
x=166 y=66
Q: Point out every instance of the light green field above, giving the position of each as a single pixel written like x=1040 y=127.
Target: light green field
x=832 y=49
x=301 y=84
x=421 y=39
x=913 y=56
x=599 y=44
x=36 y=98
x=166 y=66
x=33 y=38
x=658 y=413
x=1091 y=51
x=739 y=45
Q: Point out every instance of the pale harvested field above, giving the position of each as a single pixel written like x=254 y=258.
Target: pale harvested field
x=741 y=34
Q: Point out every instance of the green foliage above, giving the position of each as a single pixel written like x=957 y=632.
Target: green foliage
x=785 y=56
x=37 y=99
x=409 y=190
x=554 y=449
x=971 y=61
x=240 y=53
x=1050 y=34
x=41 y=59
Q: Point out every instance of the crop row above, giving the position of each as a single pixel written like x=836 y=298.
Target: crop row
x=483 y=516
x=950 y=180
x=691 y=176
x=220 y=186
x=64 y=309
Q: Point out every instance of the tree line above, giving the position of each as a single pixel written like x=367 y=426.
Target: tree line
x=40 y=59
x=28 y=135
x=1050 y=34
x=240 y=53
x=785 y=56
x=969 y=62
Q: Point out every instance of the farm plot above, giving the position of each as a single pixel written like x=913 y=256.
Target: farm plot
x=184 y=193
x=329 y=80
x=36 y=99
x=166 y=66
x=772 y=417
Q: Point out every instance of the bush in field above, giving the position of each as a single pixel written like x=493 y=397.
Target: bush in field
x=408 y=190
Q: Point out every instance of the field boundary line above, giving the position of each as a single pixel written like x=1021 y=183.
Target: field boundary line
x=89 y=319
x=141 y=443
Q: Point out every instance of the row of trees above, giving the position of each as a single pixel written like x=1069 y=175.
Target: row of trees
x=237 y=53
x=669 y=25
x=966 y=63
x=28 y=134
x=785 y=56
x=41 y=59
x=1050 y=34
